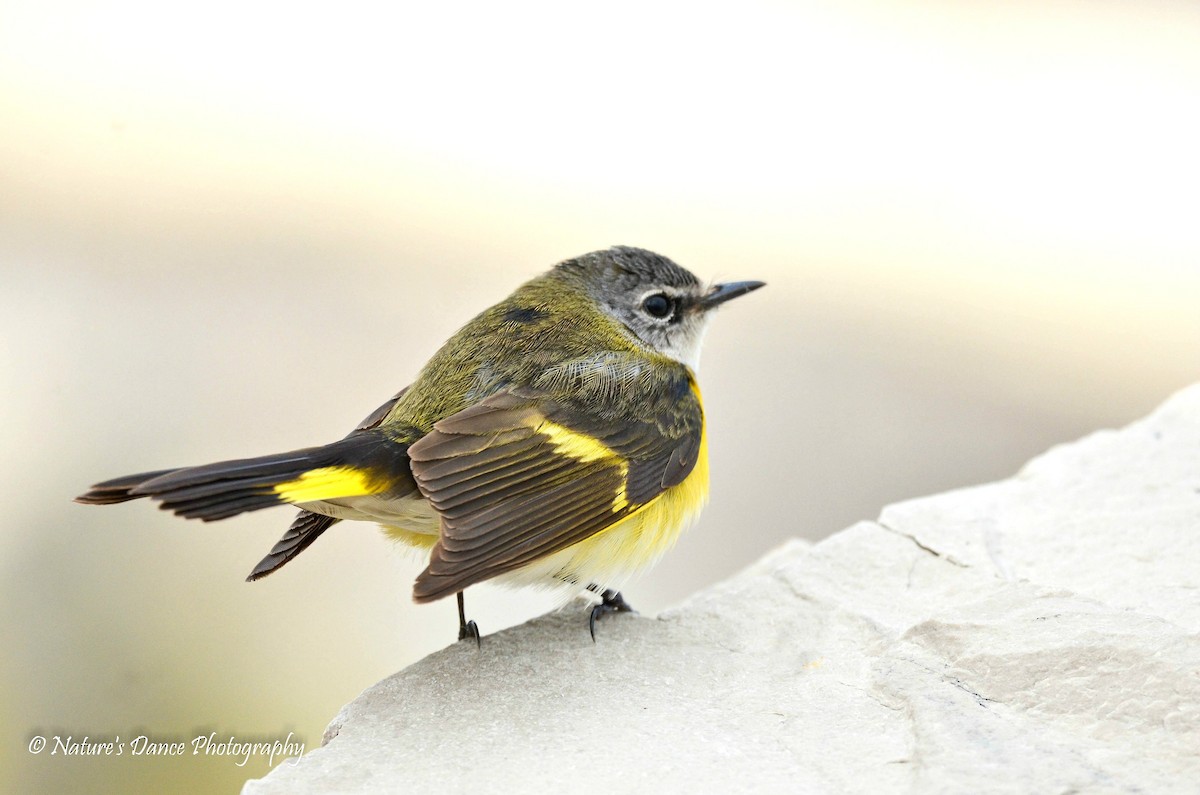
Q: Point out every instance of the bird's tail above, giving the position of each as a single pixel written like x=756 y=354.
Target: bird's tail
x=364 y=463
x=305 y=529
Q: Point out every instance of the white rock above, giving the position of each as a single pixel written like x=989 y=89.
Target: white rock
x=1033 y=635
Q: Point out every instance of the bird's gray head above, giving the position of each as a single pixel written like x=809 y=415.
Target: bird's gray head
x=664 y=305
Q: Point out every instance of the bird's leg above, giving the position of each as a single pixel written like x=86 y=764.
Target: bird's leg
x=610 y=602
x=468 y=629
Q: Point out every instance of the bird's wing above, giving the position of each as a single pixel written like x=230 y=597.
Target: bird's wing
x=376 y=417
x=521 y=475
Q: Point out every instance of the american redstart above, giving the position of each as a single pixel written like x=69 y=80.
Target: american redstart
x=556 y=439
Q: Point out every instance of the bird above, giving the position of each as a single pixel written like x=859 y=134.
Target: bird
x=556 y=440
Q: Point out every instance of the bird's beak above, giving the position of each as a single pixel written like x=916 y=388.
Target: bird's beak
x=720 y=293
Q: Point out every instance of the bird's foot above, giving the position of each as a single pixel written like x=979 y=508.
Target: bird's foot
x=610 y=602
x=467 y=629
x=470 y=630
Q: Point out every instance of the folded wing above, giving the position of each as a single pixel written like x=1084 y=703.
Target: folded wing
x=522 y=475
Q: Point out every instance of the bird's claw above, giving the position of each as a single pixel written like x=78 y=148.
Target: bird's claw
x=610 y=602
x=470 y=630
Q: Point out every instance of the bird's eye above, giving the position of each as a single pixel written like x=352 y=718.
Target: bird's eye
x=658 y=305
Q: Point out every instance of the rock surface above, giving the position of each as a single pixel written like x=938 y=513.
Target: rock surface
x=1041 y=634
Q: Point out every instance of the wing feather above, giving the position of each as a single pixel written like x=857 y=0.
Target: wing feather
x=578 y=512
x=476 y=494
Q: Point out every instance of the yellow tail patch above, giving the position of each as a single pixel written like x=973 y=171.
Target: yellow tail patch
x=326 y=483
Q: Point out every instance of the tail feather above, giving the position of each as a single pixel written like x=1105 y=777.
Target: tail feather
x=119 y=489
x=306 y=528
x=280 y=465
x=203 y=490
x=214 y=491
x=221 y=507
x=366 y=462
x=219 y=496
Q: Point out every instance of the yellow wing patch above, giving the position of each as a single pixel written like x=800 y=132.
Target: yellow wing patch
x=326 y=483
x=577 y=445
x=584 y=448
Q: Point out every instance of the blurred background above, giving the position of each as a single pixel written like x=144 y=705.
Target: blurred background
x=236 y=228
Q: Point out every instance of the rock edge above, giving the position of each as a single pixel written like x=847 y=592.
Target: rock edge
x=1040 y=633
